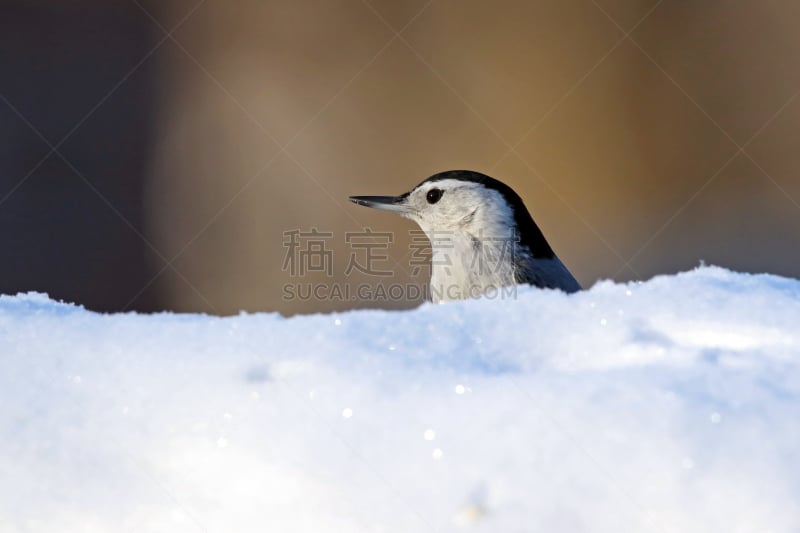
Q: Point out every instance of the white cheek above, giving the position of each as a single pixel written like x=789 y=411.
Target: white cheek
x=443 y=220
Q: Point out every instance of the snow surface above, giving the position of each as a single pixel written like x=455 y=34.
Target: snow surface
x=672 y=405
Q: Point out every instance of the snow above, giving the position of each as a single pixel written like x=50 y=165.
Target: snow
x=669 y=406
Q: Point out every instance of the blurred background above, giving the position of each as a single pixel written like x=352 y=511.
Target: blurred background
x=155 y=153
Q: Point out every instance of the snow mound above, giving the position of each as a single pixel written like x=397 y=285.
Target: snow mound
x=671 y=405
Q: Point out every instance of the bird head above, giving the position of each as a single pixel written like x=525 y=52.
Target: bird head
x=465 y=202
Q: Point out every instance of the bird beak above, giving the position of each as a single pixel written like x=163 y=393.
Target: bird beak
x=396 y=204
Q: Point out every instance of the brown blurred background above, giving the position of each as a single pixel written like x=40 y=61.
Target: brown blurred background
x=153 y=154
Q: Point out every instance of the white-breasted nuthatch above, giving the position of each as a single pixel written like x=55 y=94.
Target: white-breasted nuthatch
x=482 y=236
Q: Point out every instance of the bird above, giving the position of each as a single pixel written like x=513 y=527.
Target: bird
x=483 y=239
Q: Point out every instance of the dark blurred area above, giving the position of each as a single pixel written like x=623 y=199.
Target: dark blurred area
x=60 y=61
x=154 y=154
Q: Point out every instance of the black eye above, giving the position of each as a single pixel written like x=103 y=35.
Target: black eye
x=434 y=195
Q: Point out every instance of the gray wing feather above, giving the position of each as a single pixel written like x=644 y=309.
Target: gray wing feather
x=546 y=274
